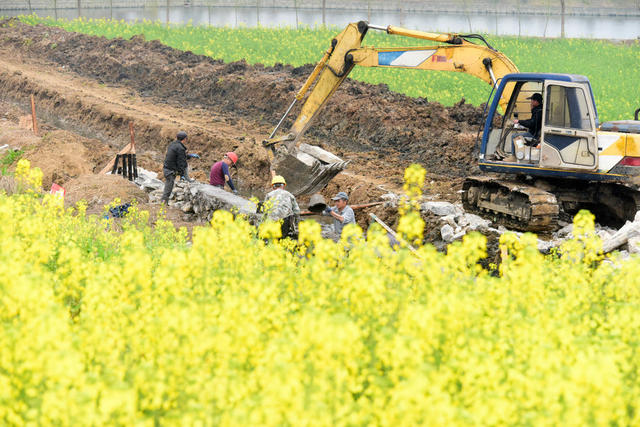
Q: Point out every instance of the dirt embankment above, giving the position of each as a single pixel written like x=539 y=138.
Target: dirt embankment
x=94 y=86
x=359 y=117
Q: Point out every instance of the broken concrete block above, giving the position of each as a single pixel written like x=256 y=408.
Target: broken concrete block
x=155 y=196
x=439 y=208
x=475 y=223
x=622 y=236
x=449 y=219
x=206 y=199
x=147 y=174
x=187 y=207
x=634 y=245
x=564 y=231
x=447 y=233
x=148 y=180
x=391 y=200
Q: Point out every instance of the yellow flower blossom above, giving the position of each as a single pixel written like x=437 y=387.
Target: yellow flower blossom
x=121 y=323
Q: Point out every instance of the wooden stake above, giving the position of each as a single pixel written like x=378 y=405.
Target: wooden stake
x=133 y=142
x=33 y=115
x=393 y=233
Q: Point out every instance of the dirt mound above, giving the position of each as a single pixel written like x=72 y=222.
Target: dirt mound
x=62 y=155
x=100 y=190
x=360 y=118
x=17 y=138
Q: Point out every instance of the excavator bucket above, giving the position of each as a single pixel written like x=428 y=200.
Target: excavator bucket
x=309 y=170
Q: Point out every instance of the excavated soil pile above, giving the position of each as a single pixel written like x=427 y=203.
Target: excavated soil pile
x=62 y=155
x=71 y=161
x=364 y=122
x=99 y=190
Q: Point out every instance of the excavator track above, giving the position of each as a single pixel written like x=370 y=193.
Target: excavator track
x=624 y=201
x=612 y=203
x=512 y=204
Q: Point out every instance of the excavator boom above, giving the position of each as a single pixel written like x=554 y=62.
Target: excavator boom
x=308 y=169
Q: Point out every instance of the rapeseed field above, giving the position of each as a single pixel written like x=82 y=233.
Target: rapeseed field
x=115 y=322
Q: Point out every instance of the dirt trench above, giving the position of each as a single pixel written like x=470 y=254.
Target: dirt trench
x=94 y=86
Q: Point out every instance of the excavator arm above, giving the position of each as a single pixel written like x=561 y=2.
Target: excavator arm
x=308 y=169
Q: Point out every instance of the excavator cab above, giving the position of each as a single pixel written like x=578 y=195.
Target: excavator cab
x=567 y=136
x=569 y=130
x=575 y=164
x=508 y=141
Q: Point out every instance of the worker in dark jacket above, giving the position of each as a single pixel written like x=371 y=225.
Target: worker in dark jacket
x=175 y=163
x=534 y=124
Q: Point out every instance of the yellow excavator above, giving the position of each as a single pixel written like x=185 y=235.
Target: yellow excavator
x=571 y=162
x=307 y=168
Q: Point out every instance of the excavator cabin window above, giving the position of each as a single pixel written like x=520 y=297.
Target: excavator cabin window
x=518 y=107
x=567 y=108
x=520 y=104
x=568 y=132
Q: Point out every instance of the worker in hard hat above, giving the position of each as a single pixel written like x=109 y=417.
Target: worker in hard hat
x=220 y=172
x=175 y=163
x=282 y=205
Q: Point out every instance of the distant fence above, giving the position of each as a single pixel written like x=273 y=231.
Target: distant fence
x=573 y=7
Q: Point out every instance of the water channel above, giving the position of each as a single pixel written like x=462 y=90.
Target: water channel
x=539 y=25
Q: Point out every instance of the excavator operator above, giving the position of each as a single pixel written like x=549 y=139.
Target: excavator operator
x=534 y=124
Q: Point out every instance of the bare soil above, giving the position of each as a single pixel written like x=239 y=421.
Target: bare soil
x=87 y=89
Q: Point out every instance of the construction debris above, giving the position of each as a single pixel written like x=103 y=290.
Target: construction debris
x=206 y=199
x=630 y=230
x=149 y=181
x=198 y=199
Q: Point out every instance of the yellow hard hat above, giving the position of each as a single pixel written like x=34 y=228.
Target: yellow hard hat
x=278 y=179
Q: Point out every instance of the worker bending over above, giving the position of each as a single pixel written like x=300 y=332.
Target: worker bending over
x=220 y=172
x=282 y=205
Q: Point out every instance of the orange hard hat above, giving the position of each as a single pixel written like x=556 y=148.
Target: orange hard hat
x=233 y=156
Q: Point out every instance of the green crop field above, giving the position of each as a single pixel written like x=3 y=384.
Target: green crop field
x=612 y=68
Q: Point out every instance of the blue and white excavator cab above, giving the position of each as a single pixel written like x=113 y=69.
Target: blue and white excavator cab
x=573 y=163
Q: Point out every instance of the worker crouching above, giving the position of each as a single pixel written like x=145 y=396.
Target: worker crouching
x=220 y=174
x=282 y=205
